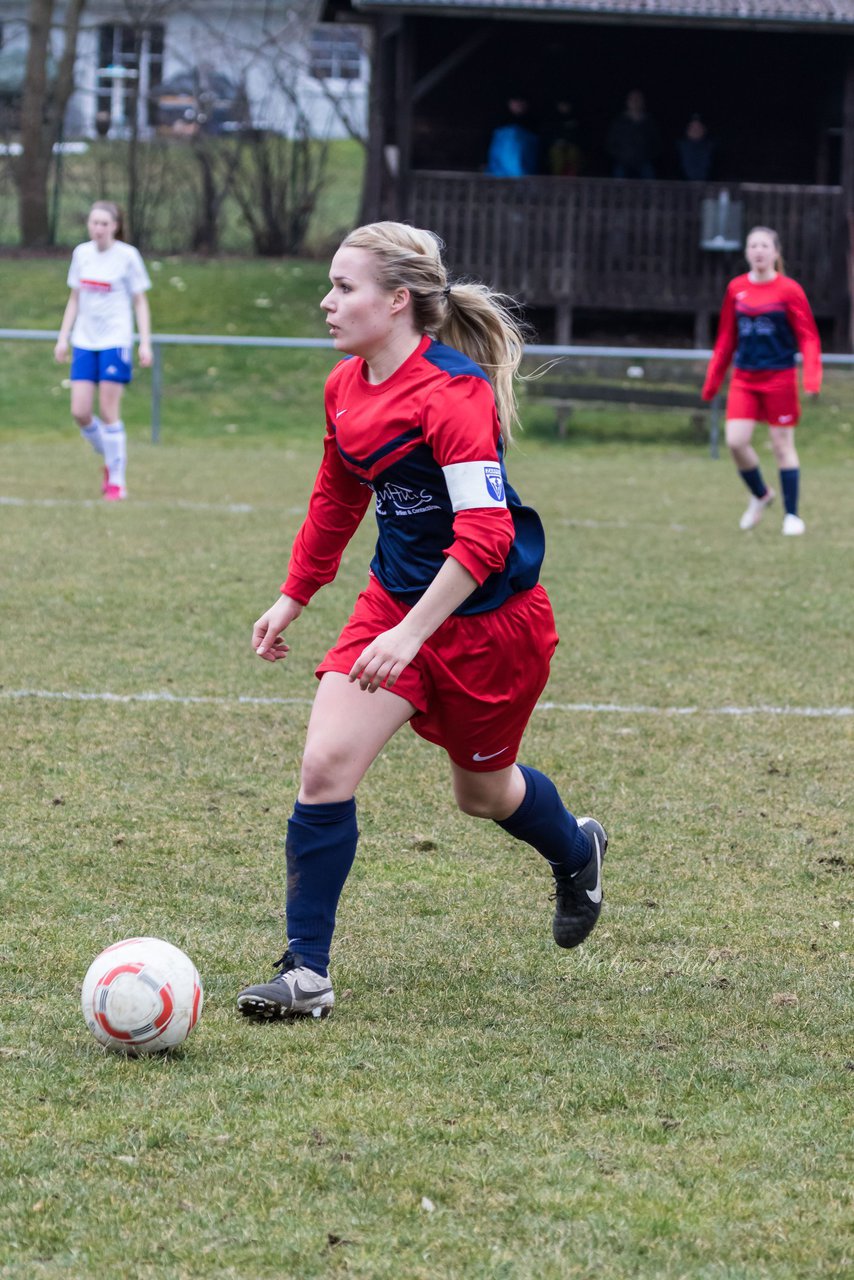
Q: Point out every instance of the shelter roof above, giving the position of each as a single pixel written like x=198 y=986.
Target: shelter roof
x=816 y=14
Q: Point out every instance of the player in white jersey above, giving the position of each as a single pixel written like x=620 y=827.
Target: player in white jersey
x=108 y=283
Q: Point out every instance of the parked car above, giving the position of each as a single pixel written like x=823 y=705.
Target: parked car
x=200 y=101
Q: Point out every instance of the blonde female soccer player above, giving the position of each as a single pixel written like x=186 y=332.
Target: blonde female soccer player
x=108 y=283
x=765 y=321
x=453 y=632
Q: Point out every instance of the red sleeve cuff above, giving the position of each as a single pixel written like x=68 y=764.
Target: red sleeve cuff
x=297 y=589
x=482 y=541
x=478 y=570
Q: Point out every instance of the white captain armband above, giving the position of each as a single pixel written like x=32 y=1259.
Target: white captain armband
x=475 y=484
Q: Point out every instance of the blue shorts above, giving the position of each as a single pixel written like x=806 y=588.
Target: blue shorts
x=113 y=364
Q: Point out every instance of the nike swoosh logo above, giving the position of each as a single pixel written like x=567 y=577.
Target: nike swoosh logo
x=479 y=758
x=595 y=894
x=299 y=994
x=339 y=412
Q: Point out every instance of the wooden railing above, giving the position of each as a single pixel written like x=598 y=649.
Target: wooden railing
x=604 y=242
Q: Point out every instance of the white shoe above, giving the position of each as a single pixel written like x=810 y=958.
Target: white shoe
x=755 y=510
x=793 y=525
x=294 y=992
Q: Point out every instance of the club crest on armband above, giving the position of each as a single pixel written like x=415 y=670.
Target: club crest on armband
x=494 y=482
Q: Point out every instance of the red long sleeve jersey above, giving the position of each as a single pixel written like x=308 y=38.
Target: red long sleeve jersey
x=763 y=326
x=427 y=443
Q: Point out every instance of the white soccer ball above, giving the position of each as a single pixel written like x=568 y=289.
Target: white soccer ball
x=141 y=996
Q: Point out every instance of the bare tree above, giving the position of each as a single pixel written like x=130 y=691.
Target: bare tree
x=216 y=166
x=276 y=169
x=147 y=168
x=43 y=104
x=276 y=184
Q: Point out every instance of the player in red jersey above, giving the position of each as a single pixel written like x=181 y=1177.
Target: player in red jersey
x=765 y=320
x=453 y=632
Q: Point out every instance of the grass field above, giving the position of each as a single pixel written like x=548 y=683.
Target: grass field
x=670 y=1101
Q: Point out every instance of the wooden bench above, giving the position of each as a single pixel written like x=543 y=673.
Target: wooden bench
x=564 y=395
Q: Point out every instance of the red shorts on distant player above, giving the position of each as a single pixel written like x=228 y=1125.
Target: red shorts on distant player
x=477 y=679
x=764 y=397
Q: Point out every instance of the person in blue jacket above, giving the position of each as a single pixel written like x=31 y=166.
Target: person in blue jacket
x=514 y=149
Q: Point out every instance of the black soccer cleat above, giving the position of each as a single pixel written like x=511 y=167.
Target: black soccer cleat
x=578 y=897
x=295 y=992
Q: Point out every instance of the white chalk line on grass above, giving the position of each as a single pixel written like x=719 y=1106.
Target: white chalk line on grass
x=624 y=524
x=247 y=508
x=597 y=708
x=228 y=508
x=762 y=710
x=163 y=696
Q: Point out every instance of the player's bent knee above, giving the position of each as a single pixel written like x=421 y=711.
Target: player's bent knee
x=324 y=779
x=475 y=805
x=739 y=433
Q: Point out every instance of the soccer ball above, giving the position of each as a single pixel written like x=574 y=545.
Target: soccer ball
x=141 y=996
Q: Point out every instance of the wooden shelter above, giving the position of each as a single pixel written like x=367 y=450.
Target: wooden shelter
x=772 y=79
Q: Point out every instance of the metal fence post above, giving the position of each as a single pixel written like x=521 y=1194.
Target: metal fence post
x=714 y=432
x=156 y=389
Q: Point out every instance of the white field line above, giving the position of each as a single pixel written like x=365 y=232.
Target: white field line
x=228 y=508
x=622 y=524
x=763 y=709
x=247 y=508
x=596 y=708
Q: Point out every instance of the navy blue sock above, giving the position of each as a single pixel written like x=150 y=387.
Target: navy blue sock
x=320 y=849
x=789 y=483
x=753 y=479
x=542 y=820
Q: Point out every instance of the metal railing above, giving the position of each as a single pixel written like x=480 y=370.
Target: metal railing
x=161 y=340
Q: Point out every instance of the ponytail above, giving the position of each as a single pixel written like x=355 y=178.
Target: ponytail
x=476 y=320
x=485 y=326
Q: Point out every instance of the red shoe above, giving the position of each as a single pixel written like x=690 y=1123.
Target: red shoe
x=115 y=493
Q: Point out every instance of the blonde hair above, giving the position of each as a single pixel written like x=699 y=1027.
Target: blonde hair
x=115 y=213
x=469 y=316
x=775 y=240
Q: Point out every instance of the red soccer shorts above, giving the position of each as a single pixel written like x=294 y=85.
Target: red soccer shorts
x=764 y=397
x=474 y=682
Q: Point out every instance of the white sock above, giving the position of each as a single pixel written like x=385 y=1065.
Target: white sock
x=92 y=433
x=115 y=451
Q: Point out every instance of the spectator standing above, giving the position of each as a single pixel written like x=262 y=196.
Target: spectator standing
x=696 y=151
x=564 y=141
x=514 y=149
x=634 y=140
